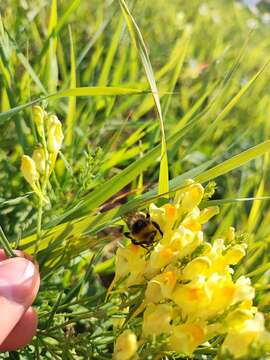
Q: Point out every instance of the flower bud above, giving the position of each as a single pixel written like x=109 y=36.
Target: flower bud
x=235 y=254
x=125 y=346
x=231 y=234
x=39 y=159
x=55 y=134
x=28 y=169
x=38 y=117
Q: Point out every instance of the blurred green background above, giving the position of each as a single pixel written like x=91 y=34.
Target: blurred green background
x=211 y=65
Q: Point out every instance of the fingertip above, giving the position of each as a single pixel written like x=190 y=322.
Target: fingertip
x=23 y=332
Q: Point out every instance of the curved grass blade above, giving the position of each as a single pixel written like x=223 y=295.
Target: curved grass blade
x=140 y=45
x=234 y=162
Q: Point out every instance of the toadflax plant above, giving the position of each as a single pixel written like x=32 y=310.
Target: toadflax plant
x=182 y=295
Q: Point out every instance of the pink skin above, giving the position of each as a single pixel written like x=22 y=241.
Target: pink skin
x=19 y=284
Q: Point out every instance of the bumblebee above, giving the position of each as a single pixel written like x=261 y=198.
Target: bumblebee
x=143 y=230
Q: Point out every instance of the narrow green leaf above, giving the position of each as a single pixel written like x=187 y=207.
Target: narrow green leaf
x=72 y=100
x=235 y=162
x=95 y=91
x=140 y=45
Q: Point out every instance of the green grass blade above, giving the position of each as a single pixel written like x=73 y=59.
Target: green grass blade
x=72 y=100
x=95 y=91
x=140 y=45
x=80 y=91
x=235 y=162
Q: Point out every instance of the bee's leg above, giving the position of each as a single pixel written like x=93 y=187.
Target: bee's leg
x=127 y=234
x=157 y=227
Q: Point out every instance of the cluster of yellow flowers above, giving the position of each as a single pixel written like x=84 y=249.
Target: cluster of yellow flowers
x=37 y=169
x=190 y=293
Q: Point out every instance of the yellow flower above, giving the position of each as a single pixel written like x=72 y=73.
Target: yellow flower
x=29 y=170
x=239 y=340
x=31 y=175
x=130 y=261
x=192 y=298
x=160 y=287
x=198 y=266
x=126 y=346
x=235 y=254
x=189 y=197
x=156 y=319
x=39 y=159
x=165 y=216
x=161 y=256
x=243 y=290
x=183 y=240
x=186 y=337
x=222 y=291
x=55 y=134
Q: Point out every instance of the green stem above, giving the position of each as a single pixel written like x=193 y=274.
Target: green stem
x=5 y=244
x=39 y=224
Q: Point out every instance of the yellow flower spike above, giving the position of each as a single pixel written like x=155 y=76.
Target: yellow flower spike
x=126 y=346
x=186 y=337
x=29 y=170
x=156 y=319
x=39 y=159
x=235 y=254
x=38 y=117
x=55 y=134
x=198 y=266
x=207 y=213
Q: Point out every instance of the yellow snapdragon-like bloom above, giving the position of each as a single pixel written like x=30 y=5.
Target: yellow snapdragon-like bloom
x=130 y=263
x=186 y=337
x=243 y=336
x=161 y=287
x=29 y=170
x=156 y=319
x=55 y=134
x=39 y=159
x=125 y=346
x=188 y=293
